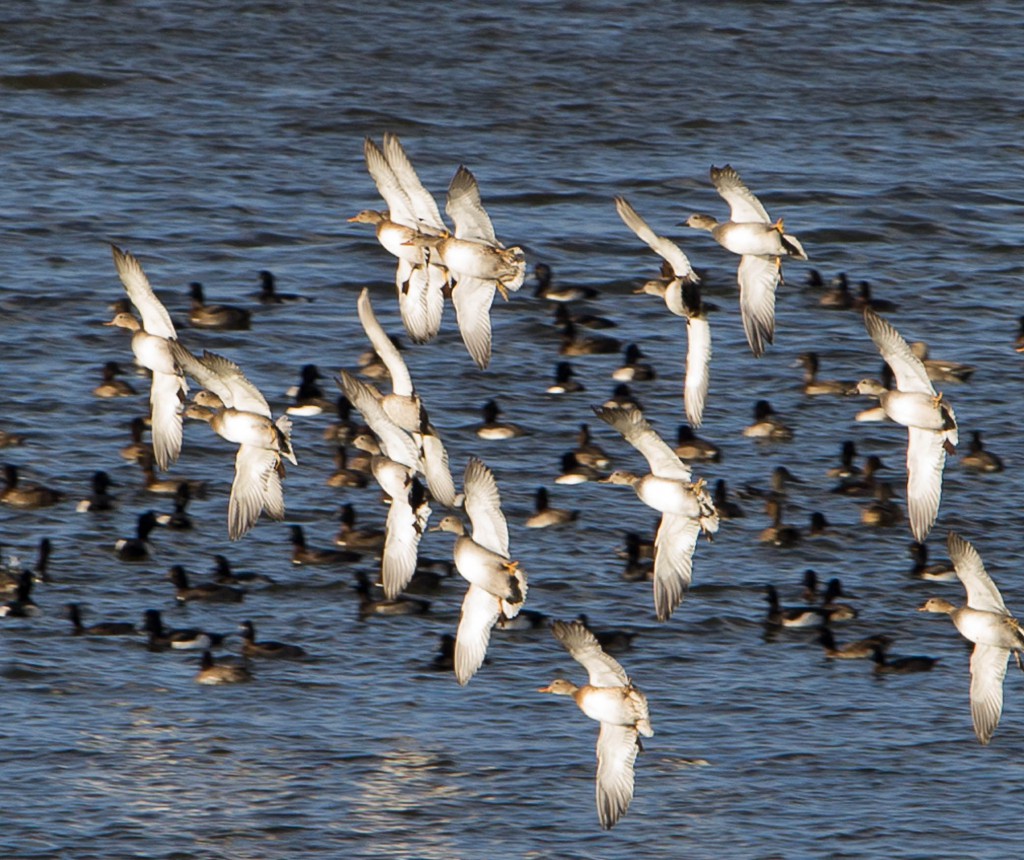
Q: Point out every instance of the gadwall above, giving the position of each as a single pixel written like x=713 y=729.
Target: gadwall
x=617 y=704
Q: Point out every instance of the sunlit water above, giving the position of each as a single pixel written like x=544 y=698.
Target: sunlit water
x=215 y=143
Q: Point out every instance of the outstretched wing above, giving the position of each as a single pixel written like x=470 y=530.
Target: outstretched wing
x=744 y=207
x=758 y=278
x=908 y=369
x=981 y=590
x=483 y=507
x=155 y=319
x=603 y=669
x=665 y=248
x=467 y=211
x=638 y=432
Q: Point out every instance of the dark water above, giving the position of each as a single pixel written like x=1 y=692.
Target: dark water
x=218 y=142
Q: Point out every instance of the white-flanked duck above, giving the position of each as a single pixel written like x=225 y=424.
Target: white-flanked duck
x=151 y=341
x=245 y=419
x=986 y=622
x=611 y=698
x=929 y=419
x=497 y=585
x=686 y=507
x=761 y=244
x=421 y=276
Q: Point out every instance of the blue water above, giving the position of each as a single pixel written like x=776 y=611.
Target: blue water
x=218 y=142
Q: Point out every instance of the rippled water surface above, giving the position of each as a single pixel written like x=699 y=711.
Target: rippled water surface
x=218 y=142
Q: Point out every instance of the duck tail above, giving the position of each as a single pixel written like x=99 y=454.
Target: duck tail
x=511 y=605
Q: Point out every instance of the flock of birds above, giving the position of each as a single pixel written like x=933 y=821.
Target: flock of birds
x=403 y=450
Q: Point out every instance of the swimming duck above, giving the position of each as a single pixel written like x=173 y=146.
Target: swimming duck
x=940 y=570
x=812 y=385
x=493 y=429
x=22 y=606
x=99 y=500
x=103 y=628
x=780 y=480
x=244 y=419
x=864 y=299
x=224 y=575
x=686 y=507
x=355 y=538
x=929 y=419
x=444 y=659
x=819 y=525
x=882 y=512
x=836 y=611
x=400 y=604
x=545 y=516
x=689 y=446
x=221 y=317
x=611 y=698
x=303 y=554
x=166 y=486
x=137 y=548
x=778 y=533
x=111 y=386
x=576 y=342
x=761 y=244
x=859 y=649
x=179 y=519
x=767 y=424
x=575 y=472
x=137 y=448
x=792 y=616
x=412 y=212
x=609 y=640
x=181 y=639
x=26 y=494
x=939 y=370
x=497 y=585
x=681 y=293
x=342 y=430
x=633 y=369
x=477 y=261
x=846 y=468
x=211 y=592
x=587 y=451
x=545 y=290
x=622 y=396
x=986 y=622
x=885 y=665
x=862 y=482
x=563 y=315
x=839 y=297
x=639 y=565
x=308 y=395
x=267 y=649
x=220 y=673
x=268 y=294
x=727 y=509
x=151 y=345
x=565 y=382
x=978 y=459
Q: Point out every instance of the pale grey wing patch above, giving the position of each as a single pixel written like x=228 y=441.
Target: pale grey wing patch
x=743 y=205
x=698 y=368
x=926 y=457
x=603 y=670
x=394 y=441
x=663 y=247
x=404 y=527
x=436 y=470
x=981 y=590
x=472 y=298
x=256 y=486
x=480 y=609
x=636 y=430
x=400 y=209
x=165 y=399
x=988 y=669
x=466 y=210
x=674 y=545
x=424 y=207
x=241 y=393
x=617 y=748
x=483 y=507
x=401 y=381
x=908 y=369
x=155 y=319
x=758 y=279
